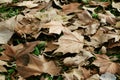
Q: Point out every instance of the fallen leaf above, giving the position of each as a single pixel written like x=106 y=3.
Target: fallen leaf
x=2 y=77
x=7 y=30
x=116 y=5
x=54 y=27
x=106 y=65
x=75 y=74
x=97 y=3
x=103 y=35
x=107 y=18
x=117 y=25
x=50 y=46
x=94 y=77
x=70 y=8
x=2 y=64
x=70 y=42
x=32 y=64
x=28 y=4
x=5 y=1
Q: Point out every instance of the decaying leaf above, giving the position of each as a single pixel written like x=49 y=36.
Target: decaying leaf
x=106 y=65
x=70 y=42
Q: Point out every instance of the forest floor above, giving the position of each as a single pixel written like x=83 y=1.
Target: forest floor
x=59 y=40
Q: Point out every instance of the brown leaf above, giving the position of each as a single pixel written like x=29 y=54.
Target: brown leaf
x=32 y=65
x=106 y=65
x=97 y=3
x=70 y=8
x=50 y=46
x=70 y=42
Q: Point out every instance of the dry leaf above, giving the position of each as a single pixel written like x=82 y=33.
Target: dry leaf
x=107 y=18
x=70 y=42
x=117 y=24
x=70 y=8
x=54 y=27
x=7 y=30
x=28 y=4
x=50 y=46
x=94 y=77
x=103 y=35
x=2 y=77
x=5 y=1
x=108 y=76
x=116 y=5
x=70 y=61
x=32 y=64
x=28 y=25
x=97 y=3
x=106 y=65
x=75 y=74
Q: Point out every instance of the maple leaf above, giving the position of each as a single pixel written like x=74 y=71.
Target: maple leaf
x=29 y=64
x=106 y=65
x=70 y=42
x=54 y=27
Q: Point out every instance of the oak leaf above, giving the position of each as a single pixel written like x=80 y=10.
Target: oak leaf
x=70 y=42
x=106 y=65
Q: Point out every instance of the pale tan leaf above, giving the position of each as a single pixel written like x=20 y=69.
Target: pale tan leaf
x=5 y=1
x=75 y=74
x=54 y=27
x=70 y=42
x=117 y=24
x=116 y=5
x=94 y=77
x=106 y=18
x=28 y=4
x=2 y=77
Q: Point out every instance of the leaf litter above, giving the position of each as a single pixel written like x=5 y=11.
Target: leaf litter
x=59 y=40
